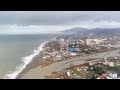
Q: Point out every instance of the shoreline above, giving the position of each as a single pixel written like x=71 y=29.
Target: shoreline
x=27 y=63
x=36 y=60
x=37 y=71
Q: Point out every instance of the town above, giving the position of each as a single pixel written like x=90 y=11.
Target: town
x=104 y=69
x=73 y=46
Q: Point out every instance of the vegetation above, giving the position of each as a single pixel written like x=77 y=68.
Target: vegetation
x=76 y=72
x=96 y=70
x=89 y=69
x=99 y=71
x=109 y=68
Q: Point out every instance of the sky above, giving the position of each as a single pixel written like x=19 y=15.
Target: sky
x=32 y=22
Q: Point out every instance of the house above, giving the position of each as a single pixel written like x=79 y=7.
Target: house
x=78 y=69
x=62 y=39
x=92 y=63
x=55 y=53
x=112 y=75
x=73 y=54
x=46 y=57
x=101 y=77
x=68 y=74
x=70 y=49
x=58 y=57
x=77 y=49
x=94 y=41
x=111 y=63
x=118 y=63
x=74 y=48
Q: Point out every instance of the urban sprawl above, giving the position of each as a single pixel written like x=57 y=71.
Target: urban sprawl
x=81 y=45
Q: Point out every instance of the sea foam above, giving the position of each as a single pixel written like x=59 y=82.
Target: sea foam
x=26 y=60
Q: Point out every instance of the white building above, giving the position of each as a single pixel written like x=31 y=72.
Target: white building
x=62 y=40
x=94 y=41
x=68 y=73
x=111 y=63
x=73 y=54
x=92 y=63
x=55 y=53
x=112 y=75
x=58 y=57
x=46 y=57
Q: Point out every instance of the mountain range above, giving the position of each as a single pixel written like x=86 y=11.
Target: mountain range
x=78 y=30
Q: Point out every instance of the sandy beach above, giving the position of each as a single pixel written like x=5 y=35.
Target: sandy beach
x=35 y=71
x=35 y=62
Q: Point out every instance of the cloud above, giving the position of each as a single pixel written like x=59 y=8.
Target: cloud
x=52 y=21
x=36 y=29
x=31 y=29
x=54 y=17
x=98 y=24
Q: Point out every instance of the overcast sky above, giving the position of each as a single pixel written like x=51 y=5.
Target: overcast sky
x=52 y=21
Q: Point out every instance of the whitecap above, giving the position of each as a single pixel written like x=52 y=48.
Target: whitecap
x=26 y=60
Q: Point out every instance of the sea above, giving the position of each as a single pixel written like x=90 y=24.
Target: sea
x=16 y=51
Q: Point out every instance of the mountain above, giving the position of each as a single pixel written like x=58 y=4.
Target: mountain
x=105 y=30
x=75 y=30
x=78 y=30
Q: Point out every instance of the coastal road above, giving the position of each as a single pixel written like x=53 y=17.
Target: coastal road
x=39 y=71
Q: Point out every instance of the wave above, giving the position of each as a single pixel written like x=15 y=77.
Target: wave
x=26 y=60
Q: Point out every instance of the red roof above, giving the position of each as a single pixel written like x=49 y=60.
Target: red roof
x=101 y=77
x=106 y=73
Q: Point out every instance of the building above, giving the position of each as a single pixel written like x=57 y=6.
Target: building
x=92 y=63
x=73 y=54
x=112 y=75
x=55 y=53
x=58 y=58
x=46 y=57
x=94 y=41
x=77 y=49
x=68 y=74
x=100 y=77
x=70 y=49
x=74 y=48
x=112 y=63
x=62 y=40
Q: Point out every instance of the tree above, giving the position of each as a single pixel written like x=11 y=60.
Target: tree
x=99 y=71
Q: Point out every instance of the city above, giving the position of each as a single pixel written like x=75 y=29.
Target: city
x=60 y=45
x=75 y=46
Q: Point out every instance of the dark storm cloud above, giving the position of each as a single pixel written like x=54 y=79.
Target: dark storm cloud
x=55 y=17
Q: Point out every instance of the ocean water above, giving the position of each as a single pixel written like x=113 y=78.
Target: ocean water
x=16 y=51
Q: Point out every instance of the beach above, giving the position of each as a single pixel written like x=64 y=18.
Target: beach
x=34 y=63
x=35 y=71
x=20 y=51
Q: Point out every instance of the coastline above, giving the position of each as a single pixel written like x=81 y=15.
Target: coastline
x=36 y=62
x=39 y=72
x=28 y=63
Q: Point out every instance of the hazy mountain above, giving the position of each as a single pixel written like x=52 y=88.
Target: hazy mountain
x=75 y=30
x=95 y=30
x=105 y=31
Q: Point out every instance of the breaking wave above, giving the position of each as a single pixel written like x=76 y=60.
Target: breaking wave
x=26 y=60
